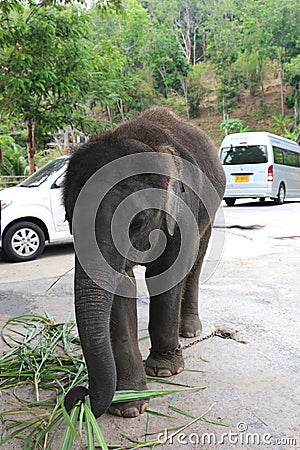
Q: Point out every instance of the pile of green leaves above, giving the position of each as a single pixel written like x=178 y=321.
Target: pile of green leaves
x=45 y=360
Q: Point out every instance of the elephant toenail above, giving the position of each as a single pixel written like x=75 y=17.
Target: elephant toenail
x=150 y=371
x=115 y=411
x=131 y=412
x=187 y=334
x=144 y=407
x=164 y=373
x=180 y=370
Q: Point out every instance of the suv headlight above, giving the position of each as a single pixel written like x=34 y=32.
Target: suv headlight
x=5 y=203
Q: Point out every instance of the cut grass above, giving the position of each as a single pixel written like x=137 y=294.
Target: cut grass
x=45 y=358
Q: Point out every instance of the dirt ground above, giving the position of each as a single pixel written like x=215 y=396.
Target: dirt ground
x=250 y=370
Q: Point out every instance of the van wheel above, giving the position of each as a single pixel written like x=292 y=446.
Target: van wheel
x=281 y=195
x=24 y=241
x=229 y=201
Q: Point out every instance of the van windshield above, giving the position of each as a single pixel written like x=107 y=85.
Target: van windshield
x=244 y=154
x=43 y=174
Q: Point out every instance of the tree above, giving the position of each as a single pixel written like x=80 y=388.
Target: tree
x=223 y=47
x=14 y=161
x=280 y=21
x=201 y=82
x=182 y=22
x=233 y=126
x=293 y=75
x=255 y=48
x=167 y=62
x=152 y=65
x=156 y=51
x=45 y=67
x=34 y=5
x=185 y=19
x=122 y=42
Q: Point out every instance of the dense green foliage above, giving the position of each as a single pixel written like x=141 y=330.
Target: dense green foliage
x=14 y=157
x=63 y=62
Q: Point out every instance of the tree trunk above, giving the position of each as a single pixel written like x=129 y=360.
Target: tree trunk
x=184 y=85
x=121 y=109
x=30 y=147
x=204 y=45
x=296 y=107
x=225 y=114
x=162 y=74
x=261 y=80
x=194 y=47
x=35 y=140
x=281 y=75
x=65 y=148
x=108 y=113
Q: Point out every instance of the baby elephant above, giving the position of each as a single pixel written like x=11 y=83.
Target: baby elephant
x=144 y=193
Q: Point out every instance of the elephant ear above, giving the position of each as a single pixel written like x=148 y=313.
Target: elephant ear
x=174 y=190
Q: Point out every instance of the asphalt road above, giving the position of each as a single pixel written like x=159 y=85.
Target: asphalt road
x=250 y=289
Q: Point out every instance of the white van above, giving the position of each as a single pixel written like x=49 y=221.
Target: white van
x=260 y=165
x=32 y=213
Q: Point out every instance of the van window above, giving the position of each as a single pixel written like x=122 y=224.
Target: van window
x=244 y=154
x=278 y=155
x=286 y=157
x=290 y=158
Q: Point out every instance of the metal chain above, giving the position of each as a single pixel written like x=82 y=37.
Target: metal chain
x=179 y=349
x=218 y=333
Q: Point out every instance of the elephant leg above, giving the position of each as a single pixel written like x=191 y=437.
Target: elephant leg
x=190 y=324
x=165 y=358
x=129 y=365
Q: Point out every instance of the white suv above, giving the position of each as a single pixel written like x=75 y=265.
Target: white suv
x=32 y=213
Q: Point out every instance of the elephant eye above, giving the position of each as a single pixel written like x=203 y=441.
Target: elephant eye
x=141 y=221
x=137 y=223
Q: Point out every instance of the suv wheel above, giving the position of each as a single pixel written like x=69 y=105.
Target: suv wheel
x=23 y=241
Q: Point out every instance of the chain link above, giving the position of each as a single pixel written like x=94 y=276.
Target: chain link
x=219 y=333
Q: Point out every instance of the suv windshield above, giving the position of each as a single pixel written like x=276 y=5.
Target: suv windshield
x=246 y=154
x=42 y=175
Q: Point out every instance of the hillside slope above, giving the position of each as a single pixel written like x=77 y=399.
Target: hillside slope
x=249 y=109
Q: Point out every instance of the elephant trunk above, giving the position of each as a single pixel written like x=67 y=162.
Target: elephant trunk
x=93 y=307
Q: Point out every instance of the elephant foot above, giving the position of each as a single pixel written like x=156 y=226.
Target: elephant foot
x=137 y=383
x=164 y=364
x=190 y=326
x=129 y=409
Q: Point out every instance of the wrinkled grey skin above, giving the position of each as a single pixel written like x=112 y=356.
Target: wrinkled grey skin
x=107 y=324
